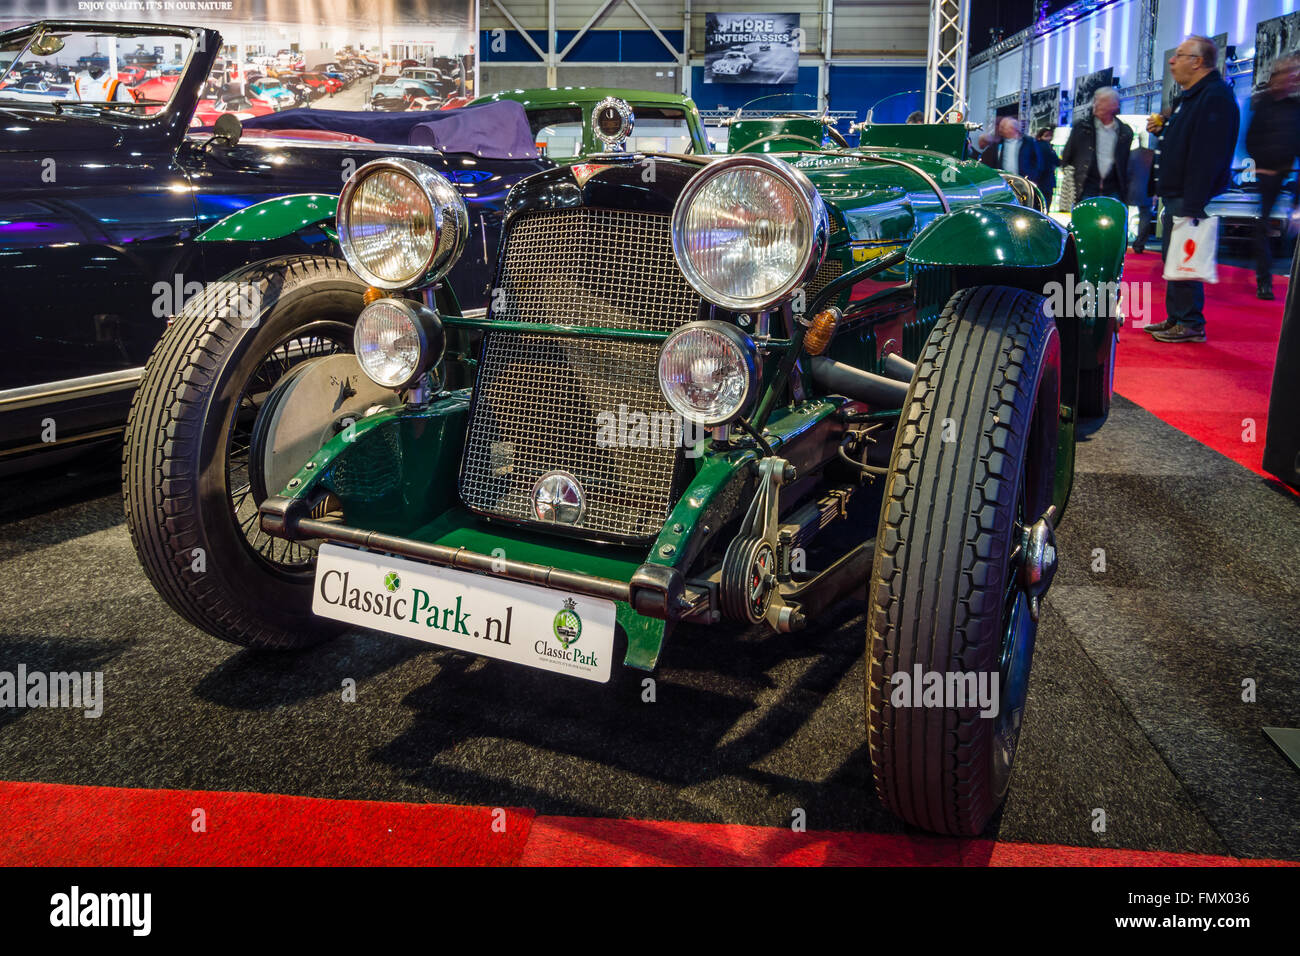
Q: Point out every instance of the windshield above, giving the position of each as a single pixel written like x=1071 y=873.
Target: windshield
x=92 y=68
x=558 y=132
x=660 y=129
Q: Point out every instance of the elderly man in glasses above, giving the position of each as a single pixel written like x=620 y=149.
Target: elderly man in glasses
x=1193 y=163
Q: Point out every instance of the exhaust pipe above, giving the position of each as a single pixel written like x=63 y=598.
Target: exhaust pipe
x=900 y=368
x=840 y=379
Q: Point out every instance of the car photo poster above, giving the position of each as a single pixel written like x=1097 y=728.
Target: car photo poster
x=439 y=37
x=1274 y=39
x=1044 y=109
x=1085 y=86
x=757 y=48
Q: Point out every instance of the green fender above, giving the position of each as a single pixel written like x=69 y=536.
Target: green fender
x=990 y=235
x=1100 y=230
x=275 y=219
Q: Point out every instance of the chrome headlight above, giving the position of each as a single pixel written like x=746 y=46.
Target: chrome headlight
x=708 y=372
x=401 y=224
x=748 y=230
x=397 y=341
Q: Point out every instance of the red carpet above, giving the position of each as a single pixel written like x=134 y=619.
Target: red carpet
x=1210 y=391
x=55 y=825
x=45 y=824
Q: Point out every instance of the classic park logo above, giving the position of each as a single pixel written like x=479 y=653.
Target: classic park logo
x=567 y=625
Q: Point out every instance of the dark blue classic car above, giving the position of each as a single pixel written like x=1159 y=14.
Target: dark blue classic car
x=111 y=199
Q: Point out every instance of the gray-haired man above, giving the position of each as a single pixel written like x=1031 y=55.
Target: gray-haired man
x=1098 y=149
x=1195 y=157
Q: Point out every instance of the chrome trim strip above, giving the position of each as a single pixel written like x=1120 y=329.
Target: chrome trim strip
x=103 y=382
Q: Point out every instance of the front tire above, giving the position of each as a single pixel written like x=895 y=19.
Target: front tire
x=187 y=489
x=972 y=467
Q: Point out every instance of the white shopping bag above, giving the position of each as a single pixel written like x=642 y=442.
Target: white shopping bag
x=1192 y=247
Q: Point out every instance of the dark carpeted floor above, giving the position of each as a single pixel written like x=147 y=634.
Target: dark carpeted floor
x=1135 y=710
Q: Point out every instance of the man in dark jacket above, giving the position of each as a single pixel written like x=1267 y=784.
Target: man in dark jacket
x=1273 y=141
x=1098 y=149
x=1012 y=153
x=1196 y=147
x=1047 y=164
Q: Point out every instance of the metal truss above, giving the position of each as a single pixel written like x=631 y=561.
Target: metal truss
x=946 y=68
x=716 y=117
x=1147 y=14
x=552 y=58
x=1060 y=18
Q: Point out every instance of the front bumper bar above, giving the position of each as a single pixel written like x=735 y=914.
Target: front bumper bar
x=654 y=591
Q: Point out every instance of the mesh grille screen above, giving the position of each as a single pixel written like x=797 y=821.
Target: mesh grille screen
x=830 y=269
x=541 y=400
x=594 y=267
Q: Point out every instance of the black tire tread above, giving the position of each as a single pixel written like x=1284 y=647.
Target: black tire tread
x=159 y=482
x=945 y=523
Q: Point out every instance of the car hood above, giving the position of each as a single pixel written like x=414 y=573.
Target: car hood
x=45 y=132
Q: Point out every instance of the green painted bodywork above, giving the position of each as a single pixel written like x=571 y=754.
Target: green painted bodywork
x=396 y=473
x=717 y=474
x=1100 y=230
x=585 y=98
x=991 y=235
x=946 y=138
x=778 y=135
x=275 y=218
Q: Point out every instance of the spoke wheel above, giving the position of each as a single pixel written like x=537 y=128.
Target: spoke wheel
x=315 y=340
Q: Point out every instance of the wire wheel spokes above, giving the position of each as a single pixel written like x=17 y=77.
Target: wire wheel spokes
x=313 y=341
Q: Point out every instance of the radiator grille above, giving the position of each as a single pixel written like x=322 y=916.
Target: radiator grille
x=830 y=269
x=586 y=405
x=594 y=267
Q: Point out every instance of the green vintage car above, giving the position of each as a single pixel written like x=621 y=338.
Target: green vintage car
x=707 y=390
x=571 y=122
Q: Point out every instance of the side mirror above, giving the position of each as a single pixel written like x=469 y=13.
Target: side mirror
x=227 y=130
x=47 y=44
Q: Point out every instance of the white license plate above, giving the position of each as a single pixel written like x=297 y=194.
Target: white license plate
x=479 y=613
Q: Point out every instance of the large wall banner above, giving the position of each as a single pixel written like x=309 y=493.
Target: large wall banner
x=413 y=54
x=751 y=48
x=1044 y=109
x=1085 y=86
x=1275 y=39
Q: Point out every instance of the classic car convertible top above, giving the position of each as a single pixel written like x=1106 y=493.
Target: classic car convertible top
x=495 y=130
x=732 y=388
